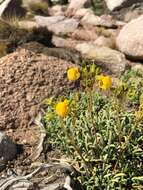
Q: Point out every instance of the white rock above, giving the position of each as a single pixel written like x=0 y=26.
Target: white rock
x=12 y=8
x=84 y=48
x=58 y=24
x=130 y=39
x=61 y=42
x=114 y=4
x=91 y=19
x=3 y=6
x=82 y=12
x=48 y=21
x=137 y=67
x=57 y=10
x=77 y=4
x=27 y=24
x=107 y=42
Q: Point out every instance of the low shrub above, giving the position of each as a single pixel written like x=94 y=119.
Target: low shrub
x=101 y=130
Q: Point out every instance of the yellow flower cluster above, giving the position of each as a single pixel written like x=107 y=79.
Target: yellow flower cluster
x=62 y=108
x=73 y=73
x=105 y=82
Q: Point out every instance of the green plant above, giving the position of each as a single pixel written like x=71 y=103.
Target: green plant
x=98 y=6
x=134 y=85
x=101 y=134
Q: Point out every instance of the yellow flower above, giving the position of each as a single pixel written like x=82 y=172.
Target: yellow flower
x=62 y=108
x=73 y=73
x=105 y=82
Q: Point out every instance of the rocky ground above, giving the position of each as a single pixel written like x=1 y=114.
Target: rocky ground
x=35 y=70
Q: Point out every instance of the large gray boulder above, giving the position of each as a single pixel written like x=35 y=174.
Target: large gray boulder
x=130 y=39
x=8 y=150
x=117 y=4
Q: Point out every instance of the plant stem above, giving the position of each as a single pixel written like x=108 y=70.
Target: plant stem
x=73 y=143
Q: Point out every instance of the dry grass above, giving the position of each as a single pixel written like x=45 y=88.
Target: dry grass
x=39 y=8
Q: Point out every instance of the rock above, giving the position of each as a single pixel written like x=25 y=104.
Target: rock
x=65 y=27
x=109 y=59
x=137 y=67
x=133 y=14
x=104 y=20
x=107 y=42
x=25 y=24
x=120 y=23
x=58 y=24
x=3 y=6
x=10 y=8
x=117 y=4
x=113 y=4
x=62 y=42
x=82 y=12
x=75 y=5
x=128 y=13
x=130 y=39
x=112 y=33
x=48 y=21
x=106 y=32
x=84 y=34
x=8 y=150
x=84 y=48
x=70 y=55
x=57 y=10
